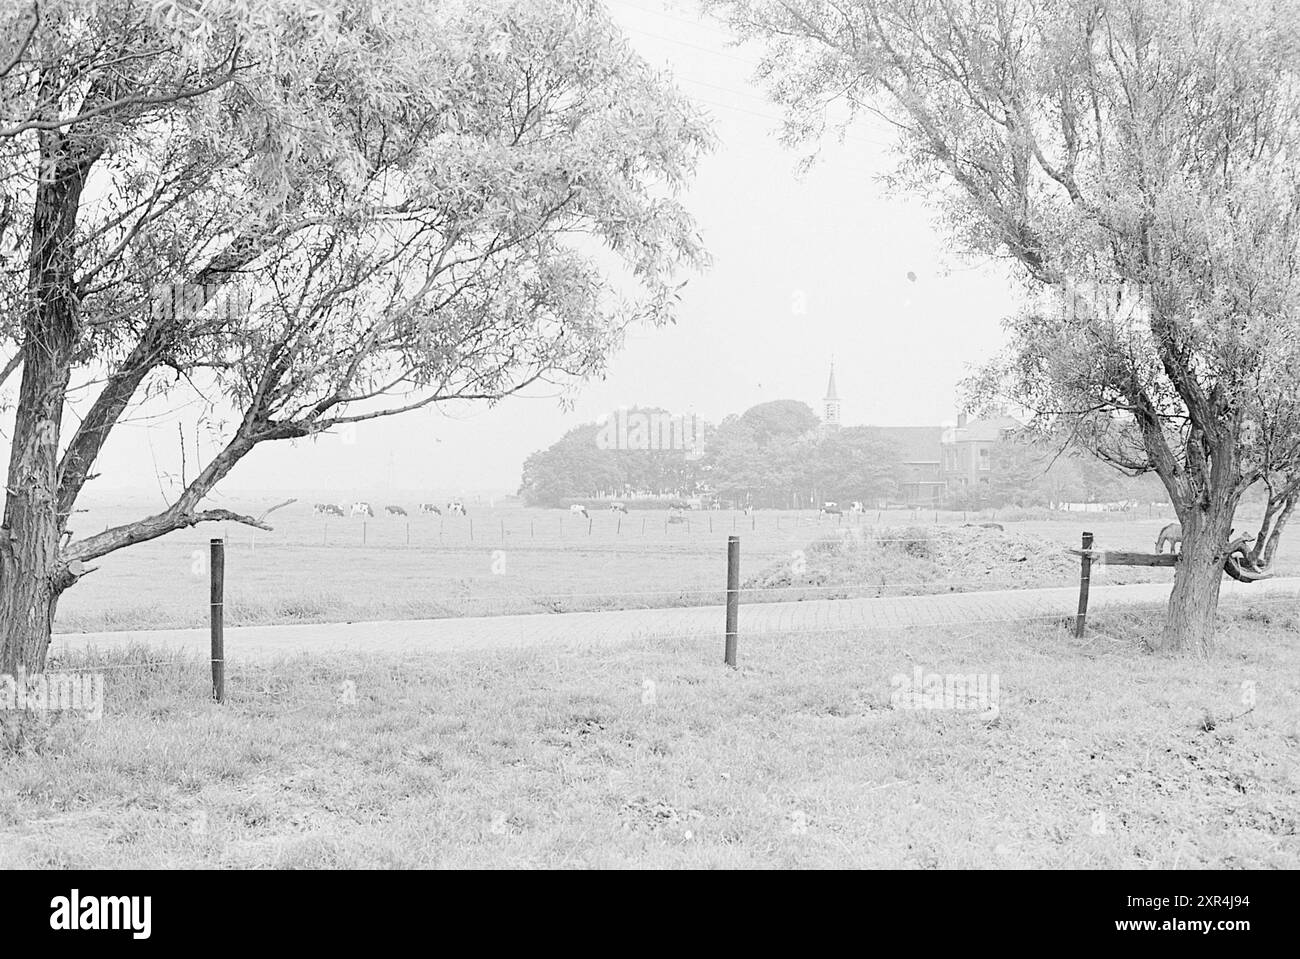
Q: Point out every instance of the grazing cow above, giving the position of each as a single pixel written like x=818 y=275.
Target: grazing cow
x=328 y=509
x=579 y=508
x=456 y=508
x=1171 y=534
x=857 y=507
x=361 y=509
x=320 y=509
x=430 y=508
x=617 y=508
x=830 y=509
x=394 y=511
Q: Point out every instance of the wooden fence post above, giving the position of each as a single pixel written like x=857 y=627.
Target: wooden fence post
x=1085 y=578
x=733 y=598
x=216 y=613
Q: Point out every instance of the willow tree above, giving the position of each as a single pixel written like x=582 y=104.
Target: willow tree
x=1136 y=161
x=310 y=212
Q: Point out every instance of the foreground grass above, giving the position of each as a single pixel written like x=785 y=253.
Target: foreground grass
x=656 y=755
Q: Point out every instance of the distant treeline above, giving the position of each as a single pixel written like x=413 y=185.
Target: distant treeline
x=780 y=455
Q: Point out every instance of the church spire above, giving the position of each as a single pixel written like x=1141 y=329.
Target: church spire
x=831 y=402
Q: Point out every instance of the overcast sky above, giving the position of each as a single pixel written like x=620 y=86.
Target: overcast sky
x=833 y=240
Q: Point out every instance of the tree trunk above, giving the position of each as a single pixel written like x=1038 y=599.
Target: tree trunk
x=31 y=573
x=1194 y=602
x=27 y=603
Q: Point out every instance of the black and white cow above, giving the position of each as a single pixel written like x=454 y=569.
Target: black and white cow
x=618 y=508
x=579 y=508
x=327 y=509
x=455 y=508
x=830 y=509
x=430 y=508
x=394 y=511
x=361 y=508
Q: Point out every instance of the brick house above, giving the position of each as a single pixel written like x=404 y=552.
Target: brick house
x=966 y=450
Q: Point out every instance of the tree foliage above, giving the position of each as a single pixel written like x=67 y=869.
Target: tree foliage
x=1136 y=160
x=304 y=213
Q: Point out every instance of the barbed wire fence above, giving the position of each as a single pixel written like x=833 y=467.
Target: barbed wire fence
x=728 y=598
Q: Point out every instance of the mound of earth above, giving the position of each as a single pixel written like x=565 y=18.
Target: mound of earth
x=915 y=560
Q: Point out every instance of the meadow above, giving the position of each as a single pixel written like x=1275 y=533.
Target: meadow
x=503 y=560
x=654 y=754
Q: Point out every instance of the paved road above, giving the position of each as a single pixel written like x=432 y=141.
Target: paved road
x=600 y=628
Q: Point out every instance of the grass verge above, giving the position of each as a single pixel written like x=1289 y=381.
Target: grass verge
x=655 y=755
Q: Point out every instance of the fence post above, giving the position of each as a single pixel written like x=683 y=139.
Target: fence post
x=363 y=532
x=1085 y=578
x=216 y=612
x=733 y=597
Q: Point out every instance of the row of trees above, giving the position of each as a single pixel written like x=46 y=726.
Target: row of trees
x=774 y=454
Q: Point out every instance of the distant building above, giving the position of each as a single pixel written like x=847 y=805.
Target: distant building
x=934 y=463
x=918 y=476
x=967 y=450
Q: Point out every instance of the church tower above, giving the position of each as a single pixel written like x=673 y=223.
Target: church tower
x=831 y=402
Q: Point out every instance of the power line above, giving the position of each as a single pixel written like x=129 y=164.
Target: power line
x=752 y=64
x=700 y=24
x=876 y=126
x=778 y=119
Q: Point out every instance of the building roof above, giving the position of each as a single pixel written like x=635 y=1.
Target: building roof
x=830 y=386
x=915 y=444
x=988 y=430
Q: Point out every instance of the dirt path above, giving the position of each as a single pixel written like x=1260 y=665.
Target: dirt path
x=597 y=628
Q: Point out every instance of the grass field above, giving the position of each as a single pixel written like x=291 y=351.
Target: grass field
x=311 y=569
x=656 y=755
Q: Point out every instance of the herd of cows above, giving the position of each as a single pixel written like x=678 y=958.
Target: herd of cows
x=362 y=508
x=827 y=509
x=457 y=508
